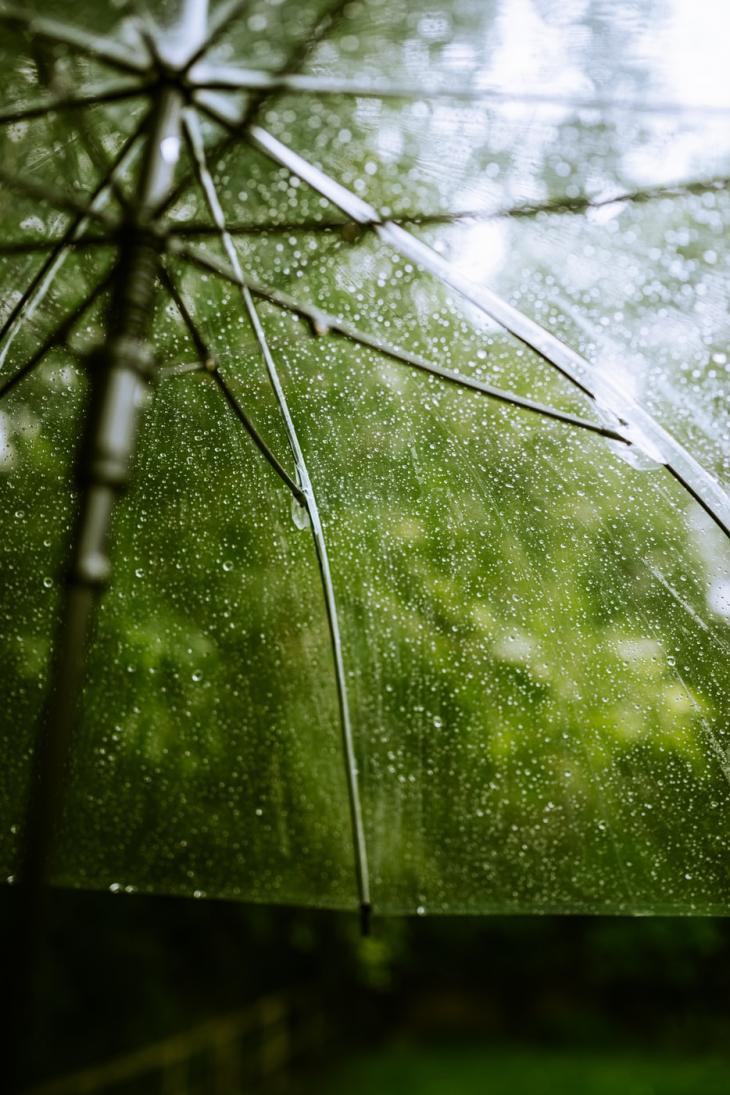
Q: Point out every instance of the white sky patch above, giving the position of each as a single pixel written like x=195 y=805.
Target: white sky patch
x=684 y=56
x=389 y=143
x=685 y=151
x=479 y=250
x=689 y=51
x=533 y=53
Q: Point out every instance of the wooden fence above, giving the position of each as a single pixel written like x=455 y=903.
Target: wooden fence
x=245 y=1051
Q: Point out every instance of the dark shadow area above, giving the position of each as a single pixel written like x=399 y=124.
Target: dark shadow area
x=120 y=972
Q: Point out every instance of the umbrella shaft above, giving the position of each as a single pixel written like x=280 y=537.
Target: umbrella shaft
x=121 y=373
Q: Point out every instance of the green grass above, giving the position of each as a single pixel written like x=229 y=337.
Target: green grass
x=400 y=1070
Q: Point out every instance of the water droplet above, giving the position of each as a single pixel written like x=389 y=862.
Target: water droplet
x=421 y=910
x=197 y=676
x=48 y=582
x=299 y=514
x=228 y=566
x=139 y=572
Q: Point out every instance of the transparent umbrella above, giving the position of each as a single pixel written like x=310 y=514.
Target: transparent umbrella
x=372 y=359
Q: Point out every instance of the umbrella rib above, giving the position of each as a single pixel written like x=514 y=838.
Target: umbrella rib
x=45 y=276
x=65 y=34
x=642 y=429
x=532 y=209
x=323 y=26
x=87 y=140
x=201 y=348
x=207 y=185
x=208 y=364
x=227 y=78
x=294 y=61
x=218 y=23
x=323 y=324
x=56 y=198
x=47 y=70
x=35 y=247
x=95 y=96
x=57 y=337
x=240 y=413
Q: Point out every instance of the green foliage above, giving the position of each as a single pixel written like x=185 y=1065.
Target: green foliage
x=538 y=679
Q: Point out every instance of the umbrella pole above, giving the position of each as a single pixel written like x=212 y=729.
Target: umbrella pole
x=121 y=373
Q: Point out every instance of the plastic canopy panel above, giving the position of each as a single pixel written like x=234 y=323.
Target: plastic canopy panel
x=412 y=604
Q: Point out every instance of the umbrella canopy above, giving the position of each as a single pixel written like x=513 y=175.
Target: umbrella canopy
x=414 y=320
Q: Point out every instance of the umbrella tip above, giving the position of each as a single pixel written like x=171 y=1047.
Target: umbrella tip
x=366 y=910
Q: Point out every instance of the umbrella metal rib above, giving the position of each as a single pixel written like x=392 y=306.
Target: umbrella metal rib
x=243 y=417
x=582 y=204
x=47 y=67
x=42 y=281
x=42 y=247
x=106 y=50
x=218 y=23
x=296 y=58
x=126 y=364
x=196 y=146
x=645 y=433
x=322 y=324
x=231 y=78
x=57 y=337
x=99 y=95
x=58 y=199
x=208 y=364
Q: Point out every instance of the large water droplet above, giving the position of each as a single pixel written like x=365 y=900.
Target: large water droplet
x=299 y=514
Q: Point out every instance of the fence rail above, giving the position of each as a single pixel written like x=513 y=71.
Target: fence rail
x=233 y=1054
